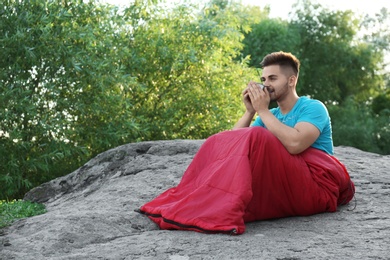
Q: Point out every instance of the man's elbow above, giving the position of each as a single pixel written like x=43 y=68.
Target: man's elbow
x=295 y=148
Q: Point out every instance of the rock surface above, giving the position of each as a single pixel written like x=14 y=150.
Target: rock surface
x=91 y=214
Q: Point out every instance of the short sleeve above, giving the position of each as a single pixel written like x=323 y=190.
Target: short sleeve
x=314 y=112
x=258 y=122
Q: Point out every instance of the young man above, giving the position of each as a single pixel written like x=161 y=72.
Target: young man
x=281 y=166
x=298 y=122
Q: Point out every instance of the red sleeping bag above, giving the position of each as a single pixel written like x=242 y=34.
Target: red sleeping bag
x=246 y=175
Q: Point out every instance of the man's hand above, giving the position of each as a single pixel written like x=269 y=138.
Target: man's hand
x=247 y=101
x=259 y=98
x=250 y=112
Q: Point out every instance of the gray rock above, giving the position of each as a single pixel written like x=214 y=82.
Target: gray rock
x=91 y=214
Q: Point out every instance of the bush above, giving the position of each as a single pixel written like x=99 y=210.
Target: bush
x=16 y=209
x=357 y=126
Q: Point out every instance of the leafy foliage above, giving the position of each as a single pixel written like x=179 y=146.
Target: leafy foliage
x=336 y=66
x=62 y=88
x=357 y=126
x=189 y=83
x=16 y=209
x=269 y=35
x=80 y=77
x=347 y=122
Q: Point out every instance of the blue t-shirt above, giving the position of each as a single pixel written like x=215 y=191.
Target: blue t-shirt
x=307 y=110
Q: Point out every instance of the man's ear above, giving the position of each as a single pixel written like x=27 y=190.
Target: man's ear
x=292 y=80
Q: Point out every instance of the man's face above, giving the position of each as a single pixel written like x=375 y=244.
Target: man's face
x=275 y=81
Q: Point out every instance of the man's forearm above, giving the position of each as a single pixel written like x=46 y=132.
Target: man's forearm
x=287 y=135
x=244 y=121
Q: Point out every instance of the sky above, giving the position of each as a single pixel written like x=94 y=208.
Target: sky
x=281 y=8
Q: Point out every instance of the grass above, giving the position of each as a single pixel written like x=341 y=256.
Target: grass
x=17 y=209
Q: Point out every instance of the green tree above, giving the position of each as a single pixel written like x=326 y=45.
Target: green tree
x=354 y=125
x=189 y=83
x=381 y=103
x=78 y=78
x=337 y=62
x=377 y=30
x=381 y=112
x=62 y=89
x=270 y=35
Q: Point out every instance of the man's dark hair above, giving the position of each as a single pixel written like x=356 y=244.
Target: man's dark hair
x=283 y=59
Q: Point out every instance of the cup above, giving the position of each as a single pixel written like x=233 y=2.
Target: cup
x=260 y=85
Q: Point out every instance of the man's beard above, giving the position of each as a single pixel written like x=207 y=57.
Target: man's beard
x=277 y=97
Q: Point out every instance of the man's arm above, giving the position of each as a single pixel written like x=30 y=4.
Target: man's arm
x=250 y=112
x=245 y=120
x=296 y=139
